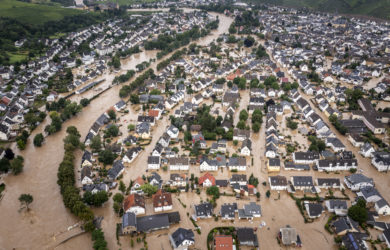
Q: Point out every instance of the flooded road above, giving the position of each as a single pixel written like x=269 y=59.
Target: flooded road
x=48 y=216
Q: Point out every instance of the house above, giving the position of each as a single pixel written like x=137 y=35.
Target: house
x=344 y=225
x=367 y=150
x=131 y=154
x=203 y=211
x=137 y=184
x=273 y=165
x=249 y=211
x=289 y=236
x=162 y=201
x=164 y=140
x=134 y=203
x=385 y=236
x=179 y=163
x=239 y=179
x=246 y=147
x=288 y=165
x=228 y=211
x=199 y=138
x=182 y=238
x=158 y=149
x=146 y=224
x=237 y=163
x=129 y=223
x=381 y=161
x=328 y=183
x=356 y=140
x=336 y=165
x=154 y=113
x=197 y=99
x=247 y=237
x=306 y=157
x=355 y=182
x=302 y=182
x=173 y=132
x=339 y=207
x=178 y=180
x=86 y=176
x=142 y=130
x=382 y=207
x=355 y=241
x=87 y=159
x=120 y=105
x=154 y=162
x=241 y=134
x=155 y=180
x=223 y=242
x=278 y=182
x=335 y=144
x=207 y=180
x=116 y=170
x=314 y=210
x=207 y=164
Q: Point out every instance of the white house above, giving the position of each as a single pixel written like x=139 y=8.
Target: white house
x=179 y=163
x=278 y=182
x=154 y=162
x=208 y=165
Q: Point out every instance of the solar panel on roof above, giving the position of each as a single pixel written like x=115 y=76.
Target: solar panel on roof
x=355 y=246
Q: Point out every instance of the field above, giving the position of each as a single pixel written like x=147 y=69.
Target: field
x=373 y=8
x=35 y=14
x=129 y=2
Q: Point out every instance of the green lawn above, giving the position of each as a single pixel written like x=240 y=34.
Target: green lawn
x=34 y=13
x=129 y=2
x=17 y=56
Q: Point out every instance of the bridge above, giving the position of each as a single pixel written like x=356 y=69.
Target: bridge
x=64 y=236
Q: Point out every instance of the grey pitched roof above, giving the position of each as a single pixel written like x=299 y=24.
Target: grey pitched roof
x=180 y=235
x=117 y=167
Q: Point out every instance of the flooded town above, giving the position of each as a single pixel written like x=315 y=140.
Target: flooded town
x=204 y=125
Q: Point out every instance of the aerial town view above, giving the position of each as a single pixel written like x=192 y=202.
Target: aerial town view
x=194 y=124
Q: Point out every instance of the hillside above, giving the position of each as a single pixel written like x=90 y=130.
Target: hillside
x=373 y=8
x=32 y=13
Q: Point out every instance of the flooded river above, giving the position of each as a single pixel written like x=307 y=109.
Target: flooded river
x=48 y=216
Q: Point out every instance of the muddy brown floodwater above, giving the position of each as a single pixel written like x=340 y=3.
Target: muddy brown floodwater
x=48 y=216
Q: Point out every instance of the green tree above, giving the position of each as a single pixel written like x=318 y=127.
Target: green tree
x=256 y=127
x=17 y=165
x=97 y=199
x=106 y=156
x=122 y=187
x=149 y=189
x=112 y=114
x=243 y=115
x=26 y=200
x=213 y=191
x=241 y=125
x=38 y=140
x=134 y=99
x=4 y=165
x=358 y=212
x=118 y=197
x=21 y=144
x=112 y=131
x=249 y=41
x=96 y=143
x=84 y=102
x=99 y=243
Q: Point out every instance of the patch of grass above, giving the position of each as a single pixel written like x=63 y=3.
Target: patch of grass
x=32 y=13
x=17 y=56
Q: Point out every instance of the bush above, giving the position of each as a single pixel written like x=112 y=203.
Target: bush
x=38 y=140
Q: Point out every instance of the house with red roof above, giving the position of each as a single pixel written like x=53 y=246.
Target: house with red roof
x=207 y=180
